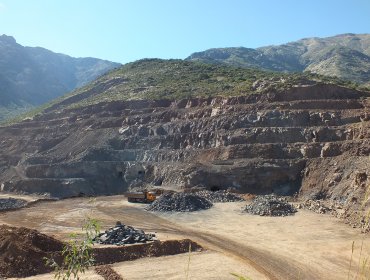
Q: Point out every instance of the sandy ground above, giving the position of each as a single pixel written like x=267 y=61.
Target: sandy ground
x=89 y=275
x=304 y=246
x=203 y=265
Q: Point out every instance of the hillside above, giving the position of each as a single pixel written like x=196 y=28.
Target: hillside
x=345 y=56
x=176 y=79
x=32 y=76
x=182 y=124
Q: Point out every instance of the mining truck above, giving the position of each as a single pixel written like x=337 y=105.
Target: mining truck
x=141 y=197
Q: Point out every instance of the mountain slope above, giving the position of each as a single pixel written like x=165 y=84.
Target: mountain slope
x=176 y=79
x=345 y=56
x=32 y=76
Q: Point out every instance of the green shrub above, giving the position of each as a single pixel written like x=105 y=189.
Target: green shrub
x=77 y=253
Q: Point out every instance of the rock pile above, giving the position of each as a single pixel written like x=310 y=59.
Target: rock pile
x=315 y=206
x=122 y=234
x=270 y=205
x=180 y=202
x=220 y=196
x=11 y=203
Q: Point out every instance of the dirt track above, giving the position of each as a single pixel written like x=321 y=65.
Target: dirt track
x=304 y=246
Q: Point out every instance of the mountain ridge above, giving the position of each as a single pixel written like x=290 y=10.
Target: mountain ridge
x=30 y=76
x=302 y=55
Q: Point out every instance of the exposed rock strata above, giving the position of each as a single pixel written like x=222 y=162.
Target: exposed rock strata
x=312 y=139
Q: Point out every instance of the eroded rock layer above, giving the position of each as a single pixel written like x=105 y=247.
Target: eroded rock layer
x=314 y=140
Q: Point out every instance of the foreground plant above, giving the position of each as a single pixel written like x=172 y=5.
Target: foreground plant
x=77 y=253
x=239 y=277
x=363 y=266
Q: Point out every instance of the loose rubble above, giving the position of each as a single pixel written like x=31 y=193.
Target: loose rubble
x=180 y=202
x=122 y=234
x=356 y=218
x=315 y=206
x=270 y=205
x=220 y=196
x=11 y=203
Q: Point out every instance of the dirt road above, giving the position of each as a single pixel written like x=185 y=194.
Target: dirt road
x=303 y=246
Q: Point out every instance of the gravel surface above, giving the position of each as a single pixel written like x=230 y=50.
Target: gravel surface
x=270 y=205
x=11 y=203
x=180 y=202
x=220 y=196
x=122 y=234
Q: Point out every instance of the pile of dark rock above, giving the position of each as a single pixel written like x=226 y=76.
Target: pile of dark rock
x=220 y=196
x=270 y=205
x=180 y=202
x=122 y=234
x=11 y=203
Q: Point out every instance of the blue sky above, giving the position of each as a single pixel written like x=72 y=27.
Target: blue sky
x=125 y=31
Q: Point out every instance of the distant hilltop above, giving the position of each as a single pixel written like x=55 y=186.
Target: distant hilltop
x=346 y=56
x=32 y=76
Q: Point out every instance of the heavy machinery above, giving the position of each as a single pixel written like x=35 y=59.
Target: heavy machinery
x=141 y=197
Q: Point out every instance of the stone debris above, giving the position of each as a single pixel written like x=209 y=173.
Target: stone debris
x=315 y=206
x=270 y=205
x=329 y=207
x=356 y=218
x=180 y=202
x=122 y=234
x=220 y=196
x=11 y=203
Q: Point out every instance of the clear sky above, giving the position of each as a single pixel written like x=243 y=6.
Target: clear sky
x=127 y=30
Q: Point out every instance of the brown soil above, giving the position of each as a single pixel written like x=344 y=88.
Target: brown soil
x=153 y=249
x=22 y=251
x=107 y=272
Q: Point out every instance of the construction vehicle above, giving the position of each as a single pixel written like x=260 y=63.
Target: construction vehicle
x=141 y=197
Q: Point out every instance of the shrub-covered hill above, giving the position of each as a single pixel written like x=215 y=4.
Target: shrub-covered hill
x=178 y=79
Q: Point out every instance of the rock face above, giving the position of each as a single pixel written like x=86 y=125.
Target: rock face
x=313 y=140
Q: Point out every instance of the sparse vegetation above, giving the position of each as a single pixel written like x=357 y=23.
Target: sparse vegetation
x=345 y=56
x=361 y=270
x=239 y=277
x=77 y=254
x=178 y=79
